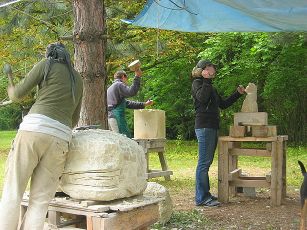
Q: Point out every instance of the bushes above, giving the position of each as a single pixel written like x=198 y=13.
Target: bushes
x=10 y=117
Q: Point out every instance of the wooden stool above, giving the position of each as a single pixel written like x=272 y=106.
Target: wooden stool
x=157 y=146
x=229 y=176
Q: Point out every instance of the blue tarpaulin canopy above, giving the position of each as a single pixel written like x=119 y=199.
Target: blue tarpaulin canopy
x=224 y=15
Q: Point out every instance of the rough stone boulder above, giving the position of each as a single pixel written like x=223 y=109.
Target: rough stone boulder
x=103 y=165
x=156 y=190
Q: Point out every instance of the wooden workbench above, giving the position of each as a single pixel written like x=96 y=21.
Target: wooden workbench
x=230 y=177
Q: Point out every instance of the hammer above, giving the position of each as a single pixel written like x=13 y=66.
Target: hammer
x=8 y=71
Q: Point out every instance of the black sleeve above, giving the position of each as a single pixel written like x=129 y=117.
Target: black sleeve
x=230 y=100
x=135 y=105
x=201 y=90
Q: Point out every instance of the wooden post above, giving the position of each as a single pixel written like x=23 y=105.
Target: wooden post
x=223 y=169
x=89 y=223
x=163 y=164
x=279 y=151
x=284 y=169
x=53 y=218
x=274 y=167
x=233 y=164
x=156 y=146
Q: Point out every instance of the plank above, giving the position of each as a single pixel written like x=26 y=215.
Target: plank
x=164 y=164
x=54 y=218
x=234 y=174
x=284 y=170
x=159 y=173
x=250 y=183
x=142 y=217
x=248 y=139
x=279 y=184
x=250 y=152
x=274 y=175
x=223 y=169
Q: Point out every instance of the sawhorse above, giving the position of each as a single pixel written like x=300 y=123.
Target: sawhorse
x=157 y=146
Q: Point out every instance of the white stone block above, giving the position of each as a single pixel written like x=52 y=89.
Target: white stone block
x=149 y=124
x=103 y=165
x=260 y=118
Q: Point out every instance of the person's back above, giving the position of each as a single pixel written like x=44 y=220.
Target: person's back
x=41 y=144
x=54 y=99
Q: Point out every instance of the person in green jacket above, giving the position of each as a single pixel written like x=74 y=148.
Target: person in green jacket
x=42 y=141
x=117 y=102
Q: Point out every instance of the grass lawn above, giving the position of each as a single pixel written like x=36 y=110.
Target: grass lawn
x=6 y=138
x=182 y=159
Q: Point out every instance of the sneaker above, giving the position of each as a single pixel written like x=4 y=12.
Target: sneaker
x=213 y=197
x=211 y=203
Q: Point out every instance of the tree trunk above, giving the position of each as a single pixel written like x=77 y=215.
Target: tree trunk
x=90 y=44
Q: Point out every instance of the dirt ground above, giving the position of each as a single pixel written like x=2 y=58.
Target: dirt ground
x=244 y=212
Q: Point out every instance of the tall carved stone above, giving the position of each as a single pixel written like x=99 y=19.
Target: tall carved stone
x=90 y=45
x=250 y=102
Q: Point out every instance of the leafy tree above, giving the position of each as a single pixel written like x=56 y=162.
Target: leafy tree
x=275 y=62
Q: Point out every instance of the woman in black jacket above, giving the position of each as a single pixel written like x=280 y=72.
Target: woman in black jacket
x=207 y=103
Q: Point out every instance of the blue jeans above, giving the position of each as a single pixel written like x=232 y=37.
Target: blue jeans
x=207 y=141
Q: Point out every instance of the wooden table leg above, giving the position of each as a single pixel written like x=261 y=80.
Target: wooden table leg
x=89 y=223
x=274 y=169
x=223 y=170
x=279 y=188
x=284 y=170
x=163 y=164
x=54 y=218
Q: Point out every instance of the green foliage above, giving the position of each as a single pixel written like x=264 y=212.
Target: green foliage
x=275 y=62
x=26 y=28
x=10 y=117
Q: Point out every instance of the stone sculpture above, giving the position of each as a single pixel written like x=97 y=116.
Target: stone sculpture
x=103 y=165
x=250 y=102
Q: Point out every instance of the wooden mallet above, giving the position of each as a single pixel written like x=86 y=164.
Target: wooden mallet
x=135 y=65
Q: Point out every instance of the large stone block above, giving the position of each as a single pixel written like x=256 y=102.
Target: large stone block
x=103 y=165
x=237 y=131
x=149 y=124
x=260 y=118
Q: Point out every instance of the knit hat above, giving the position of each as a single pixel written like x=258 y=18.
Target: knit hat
x=204 y=63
